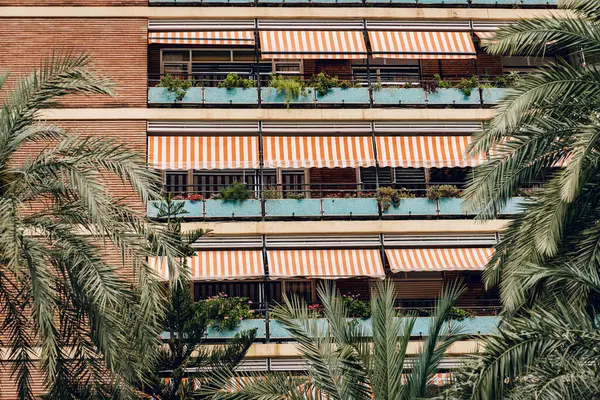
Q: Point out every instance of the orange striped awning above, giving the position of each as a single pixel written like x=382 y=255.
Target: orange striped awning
x=313 y=44
x=203 y=152
x=422 y=45
x=425 y=151
x=453 y=259
x=485 y=35
x=318 y=151
x=217 y=265
x=328 y=264
x=238 y=38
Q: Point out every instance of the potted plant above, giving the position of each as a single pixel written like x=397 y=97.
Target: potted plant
x=232 y=90
x=287 y=90
x=176 y=90
x=234 y=200
x=442 y=92
x=448 y=198
x=227 y=312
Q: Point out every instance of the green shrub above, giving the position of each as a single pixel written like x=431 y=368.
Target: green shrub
x=356 y=308
x=235 y=81
x=323 y=83
x=237 y=191
x=176 y=85
x=272 y=193
x=440 y=83
x=388 y=196
x=459 y=314
x=467 y=85
x=295 y=195
x=224 y=313
x=292 y=87
x=437 y=192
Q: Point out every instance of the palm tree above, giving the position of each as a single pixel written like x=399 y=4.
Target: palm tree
x=185 y=360
x=344 y=361
x=64 y=309
x=550 y=119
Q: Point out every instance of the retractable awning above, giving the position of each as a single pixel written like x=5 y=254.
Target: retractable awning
x=237 y=38
x=326 y=264
x=203 y=152
x=217 y=265
x=425 y=151
x=318 y=151
x=452 y=259
x=313 y=44
x=422 y=45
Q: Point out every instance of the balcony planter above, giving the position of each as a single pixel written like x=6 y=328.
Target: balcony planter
x=399 y=96
x=273 y=96
x=293 y=208
x=450 y=206
x=245 y=325
x=415 y=206
x=452 y=96
x=493 y=95
x=195 y=209
x=514 y=206
x=213 y=95
x=232 y=208
x=346 y=207
x=345 y=96
x=161 y=95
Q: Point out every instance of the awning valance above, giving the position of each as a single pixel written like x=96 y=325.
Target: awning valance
x=326 y=264
x=452 y=259
x=425 y=151
x=313 y=44
x=203 y=152
x=318 y=151
x=217 y=265
x=422 y=45
x=485 y=35
x=237 y=38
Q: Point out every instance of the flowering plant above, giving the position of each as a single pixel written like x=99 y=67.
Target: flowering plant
x=225 y=313
x=356 y=308
x=191 y=197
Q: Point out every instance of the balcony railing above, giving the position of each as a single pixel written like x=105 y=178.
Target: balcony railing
x=331 y=203
x=394 y=3
x=397 y=91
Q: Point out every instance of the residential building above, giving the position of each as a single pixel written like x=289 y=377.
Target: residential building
x=341 y=98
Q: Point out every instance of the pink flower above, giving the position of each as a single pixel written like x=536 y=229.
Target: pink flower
x=310 y=307
x=225 y=317
x=249 y=301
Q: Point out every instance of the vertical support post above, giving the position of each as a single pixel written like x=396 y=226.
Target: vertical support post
x=261 y=163
x=265 y=287
x=257 y=61
x=375 y=154
x=366 y=38
x=190 y=181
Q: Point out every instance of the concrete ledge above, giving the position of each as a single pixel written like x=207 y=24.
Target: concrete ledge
x=254 y=114
x=348 y=227
x=490 y=14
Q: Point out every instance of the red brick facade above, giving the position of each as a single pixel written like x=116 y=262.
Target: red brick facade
x=118 y=48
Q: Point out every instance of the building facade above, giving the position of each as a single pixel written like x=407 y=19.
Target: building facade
x=321 y=109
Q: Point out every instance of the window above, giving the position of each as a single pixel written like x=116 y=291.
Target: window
x=176 y=183
x=287 y=67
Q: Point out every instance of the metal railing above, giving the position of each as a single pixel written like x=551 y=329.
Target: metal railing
x=367 y=3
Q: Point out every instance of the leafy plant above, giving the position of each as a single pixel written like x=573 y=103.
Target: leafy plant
x=236 y=191
x=440 y=83
x=377 y=85
x=176 y=85
x=459 y=314
x=323 y=83
x=356 y=308
x=467 y=85
x=388 y=196
x=226 y=313
x=272 y=193
x=235 y=81
x=291 y=87
x=446 y=191
x=295 y=195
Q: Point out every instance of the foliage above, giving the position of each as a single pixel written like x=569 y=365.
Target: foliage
x=550 y=116
x=235 y=81
x=225 y=312
x=295 y=195
x=467 y=85
x=459 y=314
x=291 y=87
x=190 y=197
x=350 y=195
x=355 y=307
x=272 y=193
x=323 y=83
x=176 y=85
x=440 y=83
x=57 y=290
x=377 y=85
x=343 y=363
x=436 y=192
x=388 y=196
x=237 y=191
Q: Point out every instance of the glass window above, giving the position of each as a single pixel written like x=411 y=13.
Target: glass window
x=301 y=289
x=176 y=70
x=176 y=183
x=211 y=55
x=243 y=55
x=176 y=55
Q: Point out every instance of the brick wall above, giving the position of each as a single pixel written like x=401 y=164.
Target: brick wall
x=130 y=133
x=342 y=68
x=485 y=64
x=8 y=386
x=343 y=177
x=118 y=48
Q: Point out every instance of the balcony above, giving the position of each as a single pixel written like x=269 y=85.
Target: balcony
x=363 y=97
x=328 y=208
